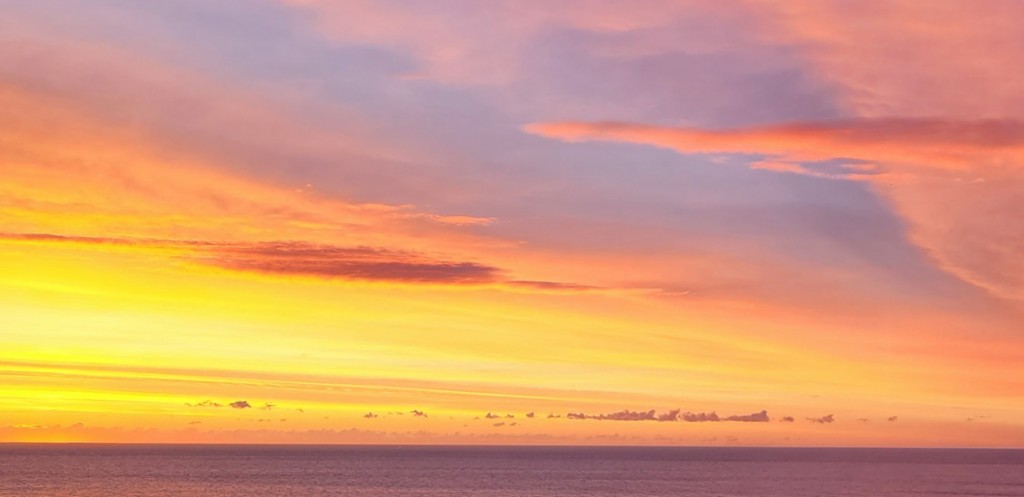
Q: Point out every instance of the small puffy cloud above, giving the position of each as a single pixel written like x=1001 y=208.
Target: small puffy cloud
x=628 y=415
x=417 y=413
x=757 y=417
x=240 y=404
x=491 y=415
x=672 y=415
x=530 y=414
x=205 y=403
x=823 y=420
x=700 y=417
x=370 y=415
x=786 y=419
x=893 y=419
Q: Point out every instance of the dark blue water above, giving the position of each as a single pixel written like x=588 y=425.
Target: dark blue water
x=236 y=471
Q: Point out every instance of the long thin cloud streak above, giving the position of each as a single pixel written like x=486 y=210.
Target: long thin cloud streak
x=942 y=144
x=317 y=260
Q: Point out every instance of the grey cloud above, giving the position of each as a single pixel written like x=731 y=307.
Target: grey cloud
x=205 y=403
x=627 y=415
x=757 y=417
x=823 y=420
x=321 y=260
x=787 y=419
x=672 y=415
x=700 y=417
x=240 y=404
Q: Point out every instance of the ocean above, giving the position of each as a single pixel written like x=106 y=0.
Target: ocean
x=73 y=470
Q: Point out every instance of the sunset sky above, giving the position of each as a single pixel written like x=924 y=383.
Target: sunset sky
x=512 y=222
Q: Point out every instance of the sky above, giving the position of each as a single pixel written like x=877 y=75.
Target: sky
x=656 y=222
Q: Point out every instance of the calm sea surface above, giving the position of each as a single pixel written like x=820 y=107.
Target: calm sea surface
x=236 y=471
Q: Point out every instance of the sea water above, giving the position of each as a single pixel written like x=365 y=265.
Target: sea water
x=442 y=471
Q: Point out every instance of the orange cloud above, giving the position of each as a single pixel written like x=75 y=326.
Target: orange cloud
x=946 y=145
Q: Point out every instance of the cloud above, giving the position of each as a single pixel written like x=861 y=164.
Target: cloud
x=418 y=413
x=700 y=417
x=370 y=415
x=915 y=163
x=491 y=415
x=359 y=263
x=318 y=260
x=892 y=419
x=823 y=420
x=628 y=416
x=267 y=407
x=672 y=415
x=530 y=414
x=786 y=419
x=205 y=403
x=240 y=404
x=552 y=285
x=944 y=144
x=757 y=417
x=625 y=415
